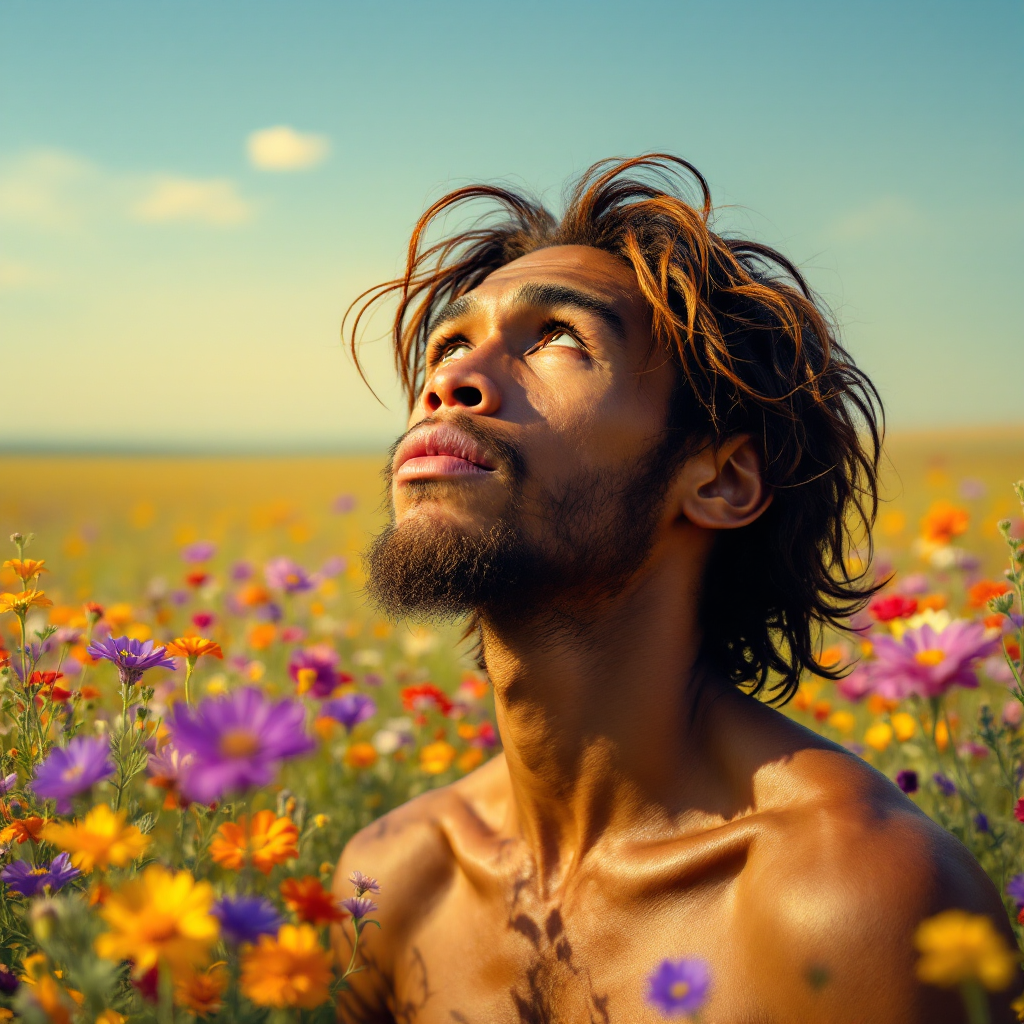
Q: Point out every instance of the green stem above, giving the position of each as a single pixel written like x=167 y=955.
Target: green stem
x=976 y=1002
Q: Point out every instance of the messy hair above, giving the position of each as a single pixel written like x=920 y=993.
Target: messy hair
x=757 y=353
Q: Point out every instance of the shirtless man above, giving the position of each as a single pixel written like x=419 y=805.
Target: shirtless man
x=632 y=451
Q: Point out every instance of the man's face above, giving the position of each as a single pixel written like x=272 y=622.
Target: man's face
x=533 y=457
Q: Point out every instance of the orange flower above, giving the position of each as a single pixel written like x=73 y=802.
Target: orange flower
x=26 y=569
x=272 y=840
x=262 y=636
x=984 y=590
x=291 y=969
x=22 y=830
x=932 y=602
x=311 y=902
x=436 y=758
x=201 y=991
x=943 y=522
x=193 y=647
x=361 y=755
x=20 y=603
x=253 y=595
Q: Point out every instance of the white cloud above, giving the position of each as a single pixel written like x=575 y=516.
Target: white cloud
x=211 y=201
x=46 y=188
x=284 y=149
x=879 y=217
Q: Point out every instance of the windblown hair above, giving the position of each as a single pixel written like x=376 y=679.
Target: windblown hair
x=757 y=354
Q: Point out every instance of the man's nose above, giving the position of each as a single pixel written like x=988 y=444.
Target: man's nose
x=463 y=385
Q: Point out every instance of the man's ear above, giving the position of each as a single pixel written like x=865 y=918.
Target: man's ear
x=722 y=488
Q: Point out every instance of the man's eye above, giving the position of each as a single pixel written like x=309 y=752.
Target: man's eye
x=453 y=352
x=561 y=339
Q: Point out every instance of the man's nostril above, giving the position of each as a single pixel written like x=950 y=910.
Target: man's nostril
x=433 y=401
x=468 y=396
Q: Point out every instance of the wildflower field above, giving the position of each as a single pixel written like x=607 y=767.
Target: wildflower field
x=197 y=710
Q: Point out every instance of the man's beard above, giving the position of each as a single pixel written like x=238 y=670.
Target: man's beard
x=600 y=528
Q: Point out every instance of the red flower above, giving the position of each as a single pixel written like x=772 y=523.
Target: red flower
x=310 y=900
x=1018 y=810
x=197 y=578
x=424 y=697
x=984 y=590
x=895 y=606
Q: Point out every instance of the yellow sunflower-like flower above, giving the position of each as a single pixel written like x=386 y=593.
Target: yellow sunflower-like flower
x=271 y=840
x=291 y=969
x=956 y=947
x=20 y=603
x=26 y=568
x=160 y=916
x=99 y=840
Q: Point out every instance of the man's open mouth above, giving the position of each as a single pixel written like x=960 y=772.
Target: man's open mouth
x=440 y=451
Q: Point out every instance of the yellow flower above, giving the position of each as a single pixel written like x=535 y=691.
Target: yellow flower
x=201 y=991
x=956 y=946
x=879 y=735
x=272 y=840
x=26 y=569
x=100 y=840
x=843 y=721
x=904 y=725
x=111 y=1017
x=292 y=969
x=160 y=915
x=437 y=757
x=20 y=603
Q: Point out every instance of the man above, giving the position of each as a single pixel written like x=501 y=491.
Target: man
x=635 y=451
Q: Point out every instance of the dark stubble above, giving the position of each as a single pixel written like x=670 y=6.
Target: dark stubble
x=597 y=531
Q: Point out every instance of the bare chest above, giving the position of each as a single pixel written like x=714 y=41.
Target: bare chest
x=588 y=959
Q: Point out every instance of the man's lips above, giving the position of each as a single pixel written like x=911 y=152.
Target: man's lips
x=440 y=451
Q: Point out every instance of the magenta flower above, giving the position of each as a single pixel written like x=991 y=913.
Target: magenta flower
x=132 y=657
x=323 y=660
x=28 y=881
x=200 y=551
x=679 y=987
x=235 y=742
x=73 y=769
x=359 y=906
x=349 y=709
x=284 y=574
x=928 y=662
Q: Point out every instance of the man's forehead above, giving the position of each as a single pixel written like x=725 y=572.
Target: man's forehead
x=580 y=266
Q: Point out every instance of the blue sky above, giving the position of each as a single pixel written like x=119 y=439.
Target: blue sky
x=159 y=287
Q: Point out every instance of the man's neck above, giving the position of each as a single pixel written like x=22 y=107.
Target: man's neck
x=596 y=704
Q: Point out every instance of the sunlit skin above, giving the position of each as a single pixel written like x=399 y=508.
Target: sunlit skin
x=625 y=822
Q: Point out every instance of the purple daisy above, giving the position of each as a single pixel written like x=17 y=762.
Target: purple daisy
x=28 y=881
x=235 y=742
x=946 y=785
x=132 y=657
x=349 y=709
x=246 y=918
x=321 y=659
x=679 y=987
x=1015 y=889
x=359 y=906
x=929 y=662
x=907 y=780
x=284 y=574
x=364 y=883
x=8 y=782
x=71 y=770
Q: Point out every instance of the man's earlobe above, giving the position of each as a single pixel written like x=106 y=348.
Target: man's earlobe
x=723 y=488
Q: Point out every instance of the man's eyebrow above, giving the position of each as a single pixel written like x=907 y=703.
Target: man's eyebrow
x=534 y=293
x=538 y=294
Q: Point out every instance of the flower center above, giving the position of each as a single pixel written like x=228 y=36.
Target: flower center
x=162 y=929
x=39 y=871
x=76 y=771
x=930 y=658
x=239 y=743
x=680 y=989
